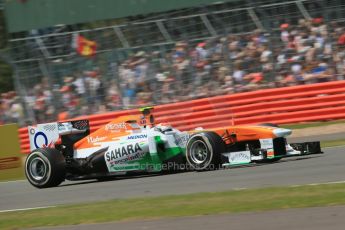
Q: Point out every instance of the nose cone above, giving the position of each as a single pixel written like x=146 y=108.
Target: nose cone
x=280 y=132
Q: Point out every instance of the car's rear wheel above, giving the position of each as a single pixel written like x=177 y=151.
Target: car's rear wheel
x=45 y=168
x=203 y=151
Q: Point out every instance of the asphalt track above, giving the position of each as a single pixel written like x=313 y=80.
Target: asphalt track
x=324 y=168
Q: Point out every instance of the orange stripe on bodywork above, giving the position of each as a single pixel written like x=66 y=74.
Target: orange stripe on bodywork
x=110 y=132
x=243 y=132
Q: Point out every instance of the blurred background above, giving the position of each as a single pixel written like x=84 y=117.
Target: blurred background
x=82 y=60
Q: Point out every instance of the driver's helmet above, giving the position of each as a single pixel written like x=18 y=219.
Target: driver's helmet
x=164 y=127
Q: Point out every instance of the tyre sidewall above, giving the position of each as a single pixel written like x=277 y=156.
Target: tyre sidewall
x=38 y=183
x=55 y=165
x=208 y=164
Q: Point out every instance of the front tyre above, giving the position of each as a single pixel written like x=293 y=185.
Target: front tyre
x=203 y=151
x=45 y=168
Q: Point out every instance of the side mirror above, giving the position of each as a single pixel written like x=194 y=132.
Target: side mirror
x=152 y=119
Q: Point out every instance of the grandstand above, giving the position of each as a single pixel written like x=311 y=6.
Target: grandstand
x=175 y=55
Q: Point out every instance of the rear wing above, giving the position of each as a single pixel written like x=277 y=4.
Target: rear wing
x=46 y=135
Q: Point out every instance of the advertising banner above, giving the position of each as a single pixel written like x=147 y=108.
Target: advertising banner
x=10 y=157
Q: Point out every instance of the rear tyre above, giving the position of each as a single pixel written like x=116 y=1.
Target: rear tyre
x=45 y=168
x=203 y=151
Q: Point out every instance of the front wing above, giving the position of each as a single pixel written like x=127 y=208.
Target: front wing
x=306 y=148
x=267 y=155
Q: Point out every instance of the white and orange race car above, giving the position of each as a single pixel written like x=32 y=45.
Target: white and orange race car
x=134 y=144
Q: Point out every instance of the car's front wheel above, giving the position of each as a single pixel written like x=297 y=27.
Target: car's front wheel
x=203 y=151
x=45 y=168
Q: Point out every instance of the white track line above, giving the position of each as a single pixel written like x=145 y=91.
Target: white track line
x=334 y=182
x=314 y=184
x=239 y=189
x=333 y=147
x=25 y=209
x=11 y=181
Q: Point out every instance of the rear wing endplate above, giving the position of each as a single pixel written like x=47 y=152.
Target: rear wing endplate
x=46 y=135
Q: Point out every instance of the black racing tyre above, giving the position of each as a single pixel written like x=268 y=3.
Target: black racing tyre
x=203 y=151
x=45 y=168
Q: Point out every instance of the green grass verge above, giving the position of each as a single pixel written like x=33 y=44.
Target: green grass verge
x=12 y=174
x=179 y=205
x=312 y=124
x=332 y=143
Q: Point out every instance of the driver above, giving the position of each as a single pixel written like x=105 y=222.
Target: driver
x=164 y=127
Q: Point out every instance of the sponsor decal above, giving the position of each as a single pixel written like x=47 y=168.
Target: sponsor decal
x=123 y=151
x=82 y=124
x=95 y=139
x=38 y=134
x=134 y=137
x=49 y=127
x=114 y=127
x=136 y=156
x=45 y=138
x=142 y=121
x=51 y=145
x=270 y=153
x=266 y=143
x=9 y=163
x=239 y=157
x=32 y=131
x=62 y=127
x=124 y=154
x=182 y=140
x=134 y=125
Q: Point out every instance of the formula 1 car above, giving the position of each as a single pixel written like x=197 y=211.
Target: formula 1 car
x=67 y=150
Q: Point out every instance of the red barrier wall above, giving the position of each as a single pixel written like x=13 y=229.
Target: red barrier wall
x=316 y=102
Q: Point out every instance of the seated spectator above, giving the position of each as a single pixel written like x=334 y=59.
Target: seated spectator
x=307 y=52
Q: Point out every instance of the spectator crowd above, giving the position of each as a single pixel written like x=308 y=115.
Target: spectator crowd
x=309 y=52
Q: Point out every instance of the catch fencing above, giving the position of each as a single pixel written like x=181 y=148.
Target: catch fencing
x=305 y=103
x=156 y=49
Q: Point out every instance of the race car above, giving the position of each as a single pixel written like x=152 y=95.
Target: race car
x=134 y=144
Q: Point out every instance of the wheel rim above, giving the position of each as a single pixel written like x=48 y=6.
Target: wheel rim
x=198 y=152
x=37 y=168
